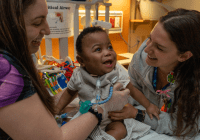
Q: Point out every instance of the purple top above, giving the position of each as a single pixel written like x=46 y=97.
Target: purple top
x=15 y=83
x=11 y=82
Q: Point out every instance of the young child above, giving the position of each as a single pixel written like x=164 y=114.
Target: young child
x=98 y=65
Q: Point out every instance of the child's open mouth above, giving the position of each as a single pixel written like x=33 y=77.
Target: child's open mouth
x=108 y=63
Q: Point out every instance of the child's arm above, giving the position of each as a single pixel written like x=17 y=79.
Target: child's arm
x=139 y=96
x=67 y=96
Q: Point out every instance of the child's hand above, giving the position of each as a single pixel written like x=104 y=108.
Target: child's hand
x=153 y=110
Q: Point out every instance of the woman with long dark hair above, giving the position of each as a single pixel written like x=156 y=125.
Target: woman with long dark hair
x=26 y=108
x=166 y=68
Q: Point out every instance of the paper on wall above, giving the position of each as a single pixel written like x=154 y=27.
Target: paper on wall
x=60 y=19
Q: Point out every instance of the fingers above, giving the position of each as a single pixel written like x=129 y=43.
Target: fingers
x=127 y=112
x=158 y=111
x=126 y=92
x=117 y=87
x=100 y=109
x=151 y=117
x=116 y=118
x=120 y=111
x=157 y=116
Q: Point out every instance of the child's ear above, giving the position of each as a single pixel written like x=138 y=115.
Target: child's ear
x=80 y=60
x=185 y=56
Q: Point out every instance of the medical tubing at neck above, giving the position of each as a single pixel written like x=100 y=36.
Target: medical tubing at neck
x=107 y=99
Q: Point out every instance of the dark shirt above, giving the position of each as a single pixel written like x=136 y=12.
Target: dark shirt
x=15 y=84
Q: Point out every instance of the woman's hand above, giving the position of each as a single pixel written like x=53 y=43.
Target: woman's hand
x=99 y=109
x=128 y=111
x=118 y=100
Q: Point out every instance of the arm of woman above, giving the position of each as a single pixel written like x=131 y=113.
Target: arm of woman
x=30 y=119
x=139 y=96
x=162 y=126
x=129 y=111
x=67 y=96
x=24 y=115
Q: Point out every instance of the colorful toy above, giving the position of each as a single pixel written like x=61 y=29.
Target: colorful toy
x=47 y=82
x=55 y=73
x=62 y=81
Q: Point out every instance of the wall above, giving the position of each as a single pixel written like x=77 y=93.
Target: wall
x=187 y=4
x=142 y=31
x=118 y=43
x=138 y=31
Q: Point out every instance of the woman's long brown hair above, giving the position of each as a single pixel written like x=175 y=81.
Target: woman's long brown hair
x=13 y=39
x=183 y=27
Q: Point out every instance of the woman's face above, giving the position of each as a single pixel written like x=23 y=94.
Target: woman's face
x=161 y=51
x=36 y=24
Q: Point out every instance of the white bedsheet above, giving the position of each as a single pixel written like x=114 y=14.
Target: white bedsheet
x=155 y=136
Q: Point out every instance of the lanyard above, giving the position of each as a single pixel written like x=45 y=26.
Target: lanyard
x=154 y=81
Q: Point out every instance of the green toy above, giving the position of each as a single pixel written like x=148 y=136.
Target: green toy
x=85 y=106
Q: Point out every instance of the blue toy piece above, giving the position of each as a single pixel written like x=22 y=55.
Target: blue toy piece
x=57 y=87
x=63 y=115
x=67 y=63
x=64 y=122
x=61 y=80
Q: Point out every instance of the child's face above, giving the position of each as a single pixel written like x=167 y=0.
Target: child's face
x=98 y=56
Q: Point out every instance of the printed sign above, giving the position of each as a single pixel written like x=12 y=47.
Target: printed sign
x=60 y=19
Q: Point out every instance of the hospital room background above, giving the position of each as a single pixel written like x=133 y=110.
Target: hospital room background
x=128 y=23
x=132 y=21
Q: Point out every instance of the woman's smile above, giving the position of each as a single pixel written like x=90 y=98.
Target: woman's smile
x=151 y=58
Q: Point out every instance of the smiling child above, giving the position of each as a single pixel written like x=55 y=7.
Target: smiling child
x=97 y=60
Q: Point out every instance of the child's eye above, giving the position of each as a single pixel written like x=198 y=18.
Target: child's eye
x=98 y=49
x=110 y=47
